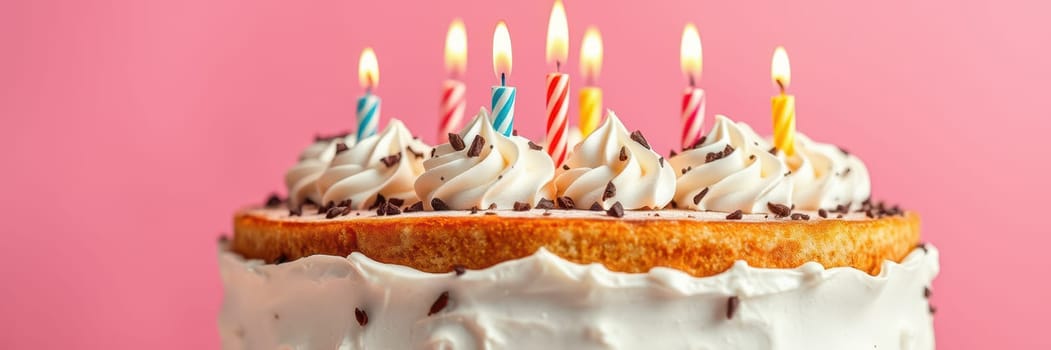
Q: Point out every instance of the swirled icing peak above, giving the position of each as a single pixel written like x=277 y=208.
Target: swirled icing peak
x=612 y=165
x=826 y=177
x=384 y=164
x=301 y=179
x=730 y=169
x=480 y=168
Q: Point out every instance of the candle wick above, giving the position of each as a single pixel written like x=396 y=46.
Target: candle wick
x=558 y=66
x=692 y=84
x=503 y=79
x=781 y=86
x=368 y=90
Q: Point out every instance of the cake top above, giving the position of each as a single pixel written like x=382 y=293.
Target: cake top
x=730 y=172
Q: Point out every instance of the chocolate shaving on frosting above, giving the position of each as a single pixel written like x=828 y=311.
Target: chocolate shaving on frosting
x=456 y=142
x=476 y=146
x=361 y=316
x=439 y=304
x=637 y=136
x=617 y=210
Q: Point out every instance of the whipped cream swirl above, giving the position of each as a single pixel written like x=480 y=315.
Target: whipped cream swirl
x=301 y=179
x=501 y=171
x=383 y=164
x=731 y=170
x=825 y=176
x=612 y=165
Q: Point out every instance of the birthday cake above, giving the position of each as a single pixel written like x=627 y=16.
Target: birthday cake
x=589 y=239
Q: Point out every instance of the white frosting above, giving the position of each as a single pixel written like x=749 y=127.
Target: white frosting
x=359 y=173
x=747 y=179
x=642 y=179
x=545 y=302
x=825 y=177
x=301 y=179
x=506 y=171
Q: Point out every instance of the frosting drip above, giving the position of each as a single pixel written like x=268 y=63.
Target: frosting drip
x=640 y=177
x=383 y=164
x=545 y=302
x=731 y=170
x=301 y=179
x=825 y=177
x=502 y=171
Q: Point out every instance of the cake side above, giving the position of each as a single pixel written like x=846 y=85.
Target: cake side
x=544 y=302
x=698 y=243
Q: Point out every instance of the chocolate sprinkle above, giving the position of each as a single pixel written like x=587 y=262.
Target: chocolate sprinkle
x=700 y=195
x=391 y=209
x=459 y=270
x=822 y=213
x=418 y=206
x=363 y=318
x=637 y=137
x=779 y=210
x=565 y=202
x=699 y=142
x=521 y=206
x=439 y=304
x=923 y=246
x=476 y=146
x=661 y=161
x=333 y=212
x=609 y=192
x=535 y=146
x=380 y=201
x=456 y=142
x=931 y=309
x=736 y=215
x=927 y=292
x=433 y=152
x=800 y=216
x=346 y=210
x=686 y=170
x=295 y=212
x=474 y=210
x=545 y=204
x=617 y=210
x=672 y=154
x=273 y=201
x=396 y=201
x=565 y=166
x=341 y=147
x=596 y=207
x=439 y=205
x=623 y=153
x=731 y=306
x=391 y=160
x=773 y=150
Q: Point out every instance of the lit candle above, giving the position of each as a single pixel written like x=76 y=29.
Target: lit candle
x=453 y=91
x=503 y=96
x=368 y=111
x=693 y=98
x=784 y=105
x=557 y=84
x=590 y=95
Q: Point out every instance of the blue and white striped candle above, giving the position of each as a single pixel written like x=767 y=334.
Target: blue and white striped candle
x=368 y=111
x=503 y=108
x=368 y=114
x=503 y=104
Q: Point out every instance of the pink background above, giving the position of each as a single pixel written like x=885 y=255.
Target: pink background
x=131 y=130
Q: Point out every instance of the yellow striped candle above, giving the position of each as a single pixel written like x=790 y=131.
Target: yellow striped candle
x=783 y=105
x=591 y=95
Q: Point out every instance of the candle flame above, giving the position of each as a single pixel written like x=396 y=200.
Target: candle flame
x=690 y=53
x=456 y=48
x=557 y=35
x=368 y=69
x=501 y=50
x=780 y=70
x=591 y=54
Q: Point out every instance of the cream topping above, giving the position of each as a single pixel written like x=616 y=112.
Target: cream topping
x=545 y=302
x=383 y=164
x=301 y=179
x=825 y=177
x=733 y=169
x=640 y=177
x=505 y=170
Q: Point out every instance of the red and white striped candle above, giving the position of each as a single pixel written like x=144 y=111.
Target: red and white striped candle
x=557 y=85
x=557 y=121
x=693 y=100
x=454 y=99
